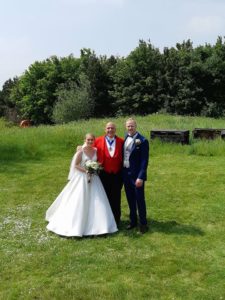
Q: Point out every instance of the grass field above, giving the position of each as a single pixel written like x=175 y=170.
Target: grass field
x=181 y=257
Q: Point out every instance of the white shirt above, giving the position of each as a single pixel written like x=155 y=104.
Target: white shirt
x=127 y=150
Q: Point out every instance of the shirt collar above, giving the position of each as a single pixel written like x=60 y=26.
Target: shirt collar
x=133 y=136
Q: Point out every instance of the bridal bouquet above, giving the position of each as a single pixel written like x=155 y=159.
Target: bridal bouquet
x=92 y=167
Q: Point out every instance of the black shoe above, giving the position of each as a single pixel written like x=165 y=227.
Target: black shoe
x=131 y=226
x=143 y=228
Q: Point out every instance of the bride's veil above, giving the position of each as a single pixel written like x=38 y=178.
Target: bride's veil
x=72 y=165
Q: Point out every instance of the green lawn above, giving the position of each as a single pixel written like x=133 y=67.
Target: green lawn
x=181 y=257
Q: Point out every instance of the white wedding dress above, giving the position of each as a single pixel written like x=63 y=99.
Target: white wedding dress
x=82 y=208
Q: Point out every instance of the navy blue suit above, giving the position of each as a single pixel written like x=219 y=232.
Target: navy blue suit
x=138 y=163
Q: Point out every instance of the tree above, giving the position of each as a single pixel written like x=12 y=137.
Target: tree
x=73 y=101
x=35 y=93
x=214 y=67
x=97 y=72
x=183 y=95
x=137 y=81
x=8 y=107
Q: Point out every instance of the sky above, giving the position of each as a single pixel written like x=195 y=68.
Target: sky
x=33 y=30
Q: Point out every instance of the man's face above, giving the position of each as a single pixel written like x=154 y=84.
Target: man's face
x=110 y=130
x=131 y=127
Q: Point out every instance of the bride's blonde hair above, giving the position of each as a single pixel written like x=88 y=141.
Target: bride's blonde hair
x=84 y=144
x=89 y=134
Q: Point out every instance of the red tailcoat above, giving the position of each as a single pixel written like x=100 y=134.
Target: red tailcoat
x=110 y=164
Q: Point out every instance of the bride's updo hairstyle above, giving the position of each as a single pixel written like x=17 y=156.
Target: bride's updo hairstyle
x=89 y=134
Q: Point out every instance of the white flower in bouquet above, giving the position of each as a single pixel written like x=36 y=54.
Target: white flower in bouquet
x=92 y=167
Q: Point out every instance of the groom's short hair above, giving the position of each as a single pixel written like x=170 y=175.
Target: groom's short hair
x=131 y=119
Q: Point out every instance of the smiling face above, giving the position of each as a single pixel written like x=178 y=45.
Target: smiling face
x=131 y=127
x=110 y=129
x=89 y=139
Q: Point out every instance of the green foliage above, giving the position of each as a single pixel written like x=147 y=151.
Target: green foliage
x=137 y=81
x=182 y=94
x=35 y=93
x=8 y=106
x=182 y=80
x=74 y=101
x=4 y=124
x=96 y=70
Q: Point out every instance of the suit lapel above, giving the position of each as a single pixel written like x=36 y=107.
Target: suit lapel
x=106 y=151
x=134 y=145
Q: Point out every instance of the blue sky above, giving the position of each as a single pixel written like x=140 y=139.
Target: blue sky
x=33 y=30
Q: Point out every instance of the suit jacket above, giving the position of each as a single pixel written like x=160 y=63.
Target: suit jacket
x=139 y=157
x=110 y=164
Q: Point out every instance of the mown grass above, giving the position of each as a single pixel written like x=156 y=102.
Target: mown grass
x=181 y=257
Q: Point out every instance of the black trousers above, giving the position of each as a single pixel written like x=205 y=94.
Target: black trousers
x=112 y=184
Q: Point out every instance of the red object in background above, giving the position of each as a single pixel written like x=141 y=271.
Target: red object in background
x=25 y=123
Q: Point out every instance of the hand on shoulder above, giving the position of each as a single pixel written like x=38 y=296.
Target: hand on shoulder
x=79 y=148
x=79 y=152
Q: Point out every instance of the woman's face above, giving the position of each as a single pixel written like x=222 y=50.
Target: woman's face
x=89 y=140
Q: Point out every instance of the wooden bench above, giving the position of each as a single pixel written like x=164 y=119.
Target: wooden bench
x=223 y=134
x=171 y=135
x=207 y=133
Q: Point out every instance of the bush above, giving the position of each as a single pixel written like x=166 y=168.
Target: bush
x=73 y=102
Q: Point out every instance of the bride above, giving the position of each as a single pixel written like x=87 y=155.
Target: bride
x=82 y=208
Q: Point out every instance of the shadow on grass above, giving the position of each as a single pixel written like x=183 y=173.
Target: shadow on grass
x=85 y=237
x=168 y=227
x=133 y=233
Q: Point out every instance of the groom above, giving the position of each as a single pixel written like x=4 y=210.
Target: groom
x=109 y=152
x=135 y=162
